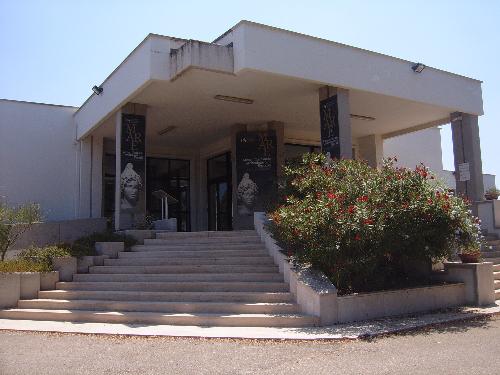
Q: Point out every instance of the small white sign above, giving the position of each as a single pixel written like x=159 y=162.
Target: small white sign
x=463 y=172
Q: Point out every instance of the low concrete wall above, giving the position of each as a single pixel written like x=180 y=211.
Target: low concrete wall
x=468 y=284
x=314 y=293
x=365 y=306
x=54 y=232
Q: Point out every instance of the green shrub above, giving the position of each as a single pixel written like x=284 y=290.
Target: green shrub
x=44 y=255
x=86 y=245
x=23 y=265
x=14 y=222
x=367 y=229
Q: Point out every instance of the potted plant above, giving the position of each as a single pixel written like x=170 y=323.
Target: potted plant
x=492 y=193
x=470 y=255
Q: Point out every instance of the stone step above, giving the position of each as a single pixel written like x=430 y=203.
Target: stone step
x=496 y=275
x=186 y=269
x=228 y=277
x=497 y=284
x=188 y=261
x=202 y=241
x=490 y=254
x=495 y=261
x=198 y=286
x=496 y=267
x=497 y=294
x=162 y=246
x=493 y=242
x=193 y=254
x=247 y=297
x=207 y=234
x=164 y=307
x=238 y=320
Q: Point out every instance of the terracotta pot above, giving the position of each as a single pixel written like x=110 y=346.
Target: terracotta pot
x=470 y=258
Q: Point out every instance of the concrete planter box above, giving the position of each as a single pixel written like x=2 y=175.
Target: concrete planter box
x=83 y=264
x=30 y=284
x=465 y=284
x=67 y=267
x=10 y=289
x=140 y=234
x=111 y=249
x=99 y=260
x=48 y=280
x=366 y=306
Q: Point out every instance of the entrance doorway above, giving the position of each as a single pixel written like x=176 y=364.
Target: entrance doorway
x=171 y=176
x=219 y=189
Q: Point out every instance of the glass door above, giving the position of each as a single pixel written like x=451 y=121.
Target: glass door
x=219 y=192
x=171 y=176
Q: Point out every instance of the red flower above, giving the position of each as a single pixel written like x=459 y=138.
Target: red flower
x=429 y=201
x=421 y=171
x=319 y=195
x=357 y=237
x=368 y=221
x=351 y=209
x=331 y=195
x=363 y=198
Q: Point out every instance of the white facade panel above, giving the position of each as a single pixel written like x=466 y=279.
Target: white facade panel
x=291 y=54
x=38 y=157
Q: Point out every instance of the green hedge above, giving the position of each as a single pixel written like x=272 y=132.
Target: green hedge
x=23 y=265
x=369 y=229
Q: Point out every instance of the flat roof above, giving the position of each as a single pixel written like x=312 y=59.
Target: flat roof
x=38 y=103
x=273 y=28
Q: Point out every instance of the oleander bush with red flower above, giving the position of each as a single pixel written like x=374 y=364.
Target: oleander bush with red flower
x=369 y=229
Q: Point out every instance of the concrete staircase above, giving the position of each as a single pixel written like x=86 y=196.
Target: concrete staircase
x=198 y=278
x=492 y=254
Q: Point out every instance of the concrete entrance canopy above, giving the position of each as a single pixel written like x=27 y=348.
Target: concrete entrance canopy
x=251 y=60
x=276 y=77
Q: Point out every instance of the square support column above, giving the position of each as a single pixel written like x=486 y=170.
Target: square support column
x=97 y=183
x=335 y=115
x=85 y=178
x=371 y=149
x=467 y=155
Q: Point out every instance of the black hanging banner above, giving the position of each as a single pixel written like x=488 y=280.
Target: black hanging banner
x=256 y=167
x=330 y=141
x=132 y=174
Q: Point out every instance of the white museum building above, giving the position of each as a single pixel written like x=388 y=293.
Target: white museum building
x=211 y=123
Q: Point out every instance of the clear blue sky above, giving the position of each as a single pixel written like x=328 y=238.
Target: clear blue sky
x=55 y=51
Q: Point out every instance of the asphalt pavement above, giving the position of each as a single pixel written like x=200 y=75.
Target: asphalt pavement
x=471 y=347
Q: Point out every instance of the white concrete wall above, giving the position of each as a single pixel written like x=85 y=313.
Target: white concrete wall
x=414 y=148
x=38 y=157
x=424 y=146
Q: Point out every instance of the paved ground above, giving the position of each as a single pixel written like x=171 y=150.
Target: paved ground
x=471 y=347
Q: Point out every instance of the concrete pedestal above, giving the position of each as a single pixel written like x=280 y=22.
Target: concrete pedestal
x=48 y=280
x=67 y=267
x=30 y=285
x=10 y=289
x=478 y=279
